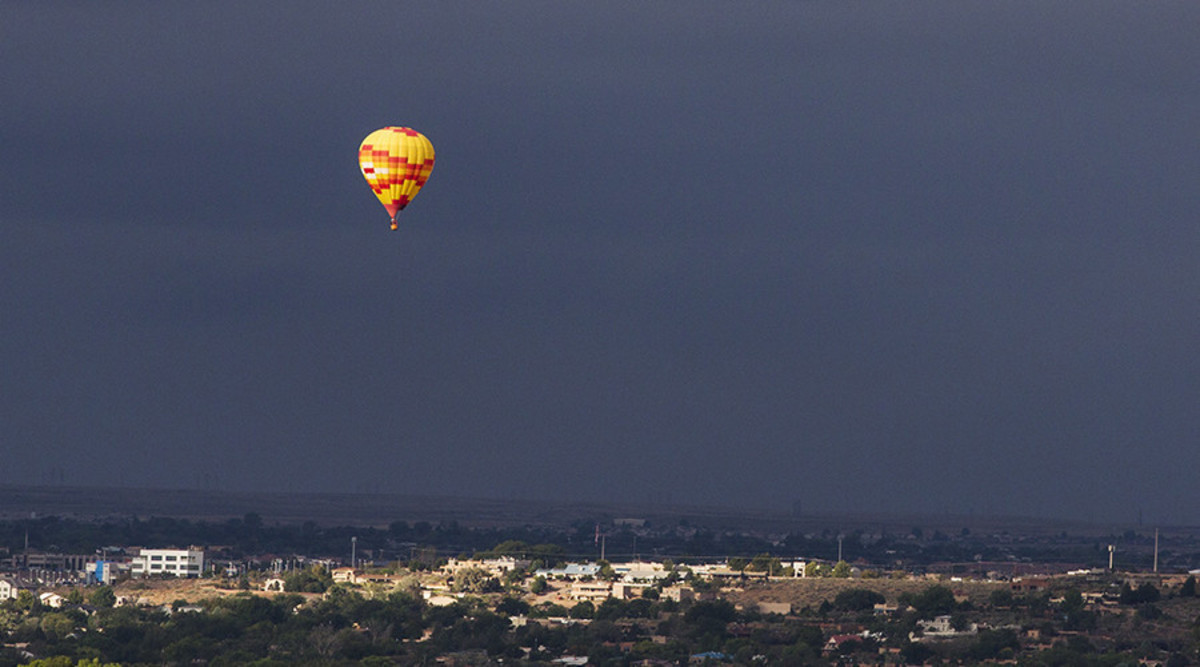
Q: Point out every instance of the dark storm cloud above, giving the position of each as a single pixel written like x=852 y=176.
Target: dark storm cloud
x=923 y=255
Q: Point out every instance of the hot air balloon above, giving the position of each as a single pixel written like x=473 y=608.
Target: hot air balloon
x=396 y=162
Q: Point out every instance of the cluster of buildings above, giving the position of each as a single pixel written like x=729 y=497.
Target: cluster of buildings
x=576 y=582
x=29 y=571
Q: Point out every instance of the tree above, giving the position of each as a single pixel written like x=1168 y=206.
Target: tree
x=916 y=653
x=766 y=563
x=933 y=601
x=1177 y=660
x=548 y=552
x=810 y=636
x=475 y=580
x=1188 y=589
x=606 y=573
x=1127 y=595
x=1140 y=595
x=64 y=661
x=552 y=610
x=841 y=570
x=103 y=597
x=1001 y=597
x=815 y=569
x=311 y=580
x=513 y=578
x=56 y=626
x=325 y=640
x=709 y=619
x=990 y=643
x=512 y=607
x=1072 y=601
x=538 y=585
x=27 y=601
x=584 y=609
x=511 y=547
x=857 y=599
x=611 y=609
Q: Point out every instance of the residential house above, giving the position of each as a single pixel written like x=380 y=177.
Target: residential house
x=627 y=591
x=1029 y=584
x=9 y=589
x=797 y=567
x=639 y=572
x=838 y=643
x=573 y=571
x=595 y=591
x=942 y=627
x=494 y=566
x=679 y=593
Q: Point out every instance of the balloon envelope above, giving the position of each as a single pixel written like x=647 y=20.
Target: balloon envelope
x=396 y=161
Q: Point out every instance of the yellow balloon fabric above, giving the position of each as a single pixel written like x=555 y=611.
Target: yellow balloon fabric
x=396 y=161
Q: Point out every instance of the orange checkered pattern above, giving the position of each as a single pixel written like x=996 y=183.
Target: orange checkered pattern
x=396 y=161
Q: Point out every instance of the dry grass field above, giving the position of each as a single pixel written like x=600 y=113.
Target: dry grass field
x=155 y=592
x=811 y=592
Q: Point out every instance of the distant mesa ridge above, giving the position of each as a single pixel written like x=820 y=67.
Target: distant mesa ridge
x=380 y=509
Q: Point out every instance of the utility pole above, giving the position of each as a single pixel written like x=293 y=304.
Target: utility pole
x=840 y=536
x=1111 y=549
x=353 y=551
x=1155 y=551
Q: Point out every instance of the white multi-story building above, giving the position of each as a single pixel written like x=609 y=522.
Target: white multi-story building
x=178 y=562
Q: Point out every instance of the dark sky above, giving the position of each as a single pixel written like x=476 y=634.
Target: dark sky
x=933 y=256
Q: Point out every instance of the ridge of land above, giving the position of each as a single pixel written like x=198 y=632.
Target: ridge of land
x=379 y=509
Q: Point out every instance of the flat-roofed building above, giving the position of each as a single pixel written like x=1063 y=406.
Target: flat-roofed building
x=176 y=562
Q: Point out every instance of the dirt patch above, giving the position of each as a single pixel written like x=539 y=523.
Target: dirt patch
x=156 y=592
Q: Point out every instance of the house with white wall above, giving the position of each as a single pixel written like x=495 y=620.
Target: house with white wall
x=494 y=566
x=9 y=590
x=573 y=571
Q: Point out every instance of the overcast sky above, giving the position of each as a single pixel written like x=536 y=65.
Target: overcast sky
x=930 y=256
